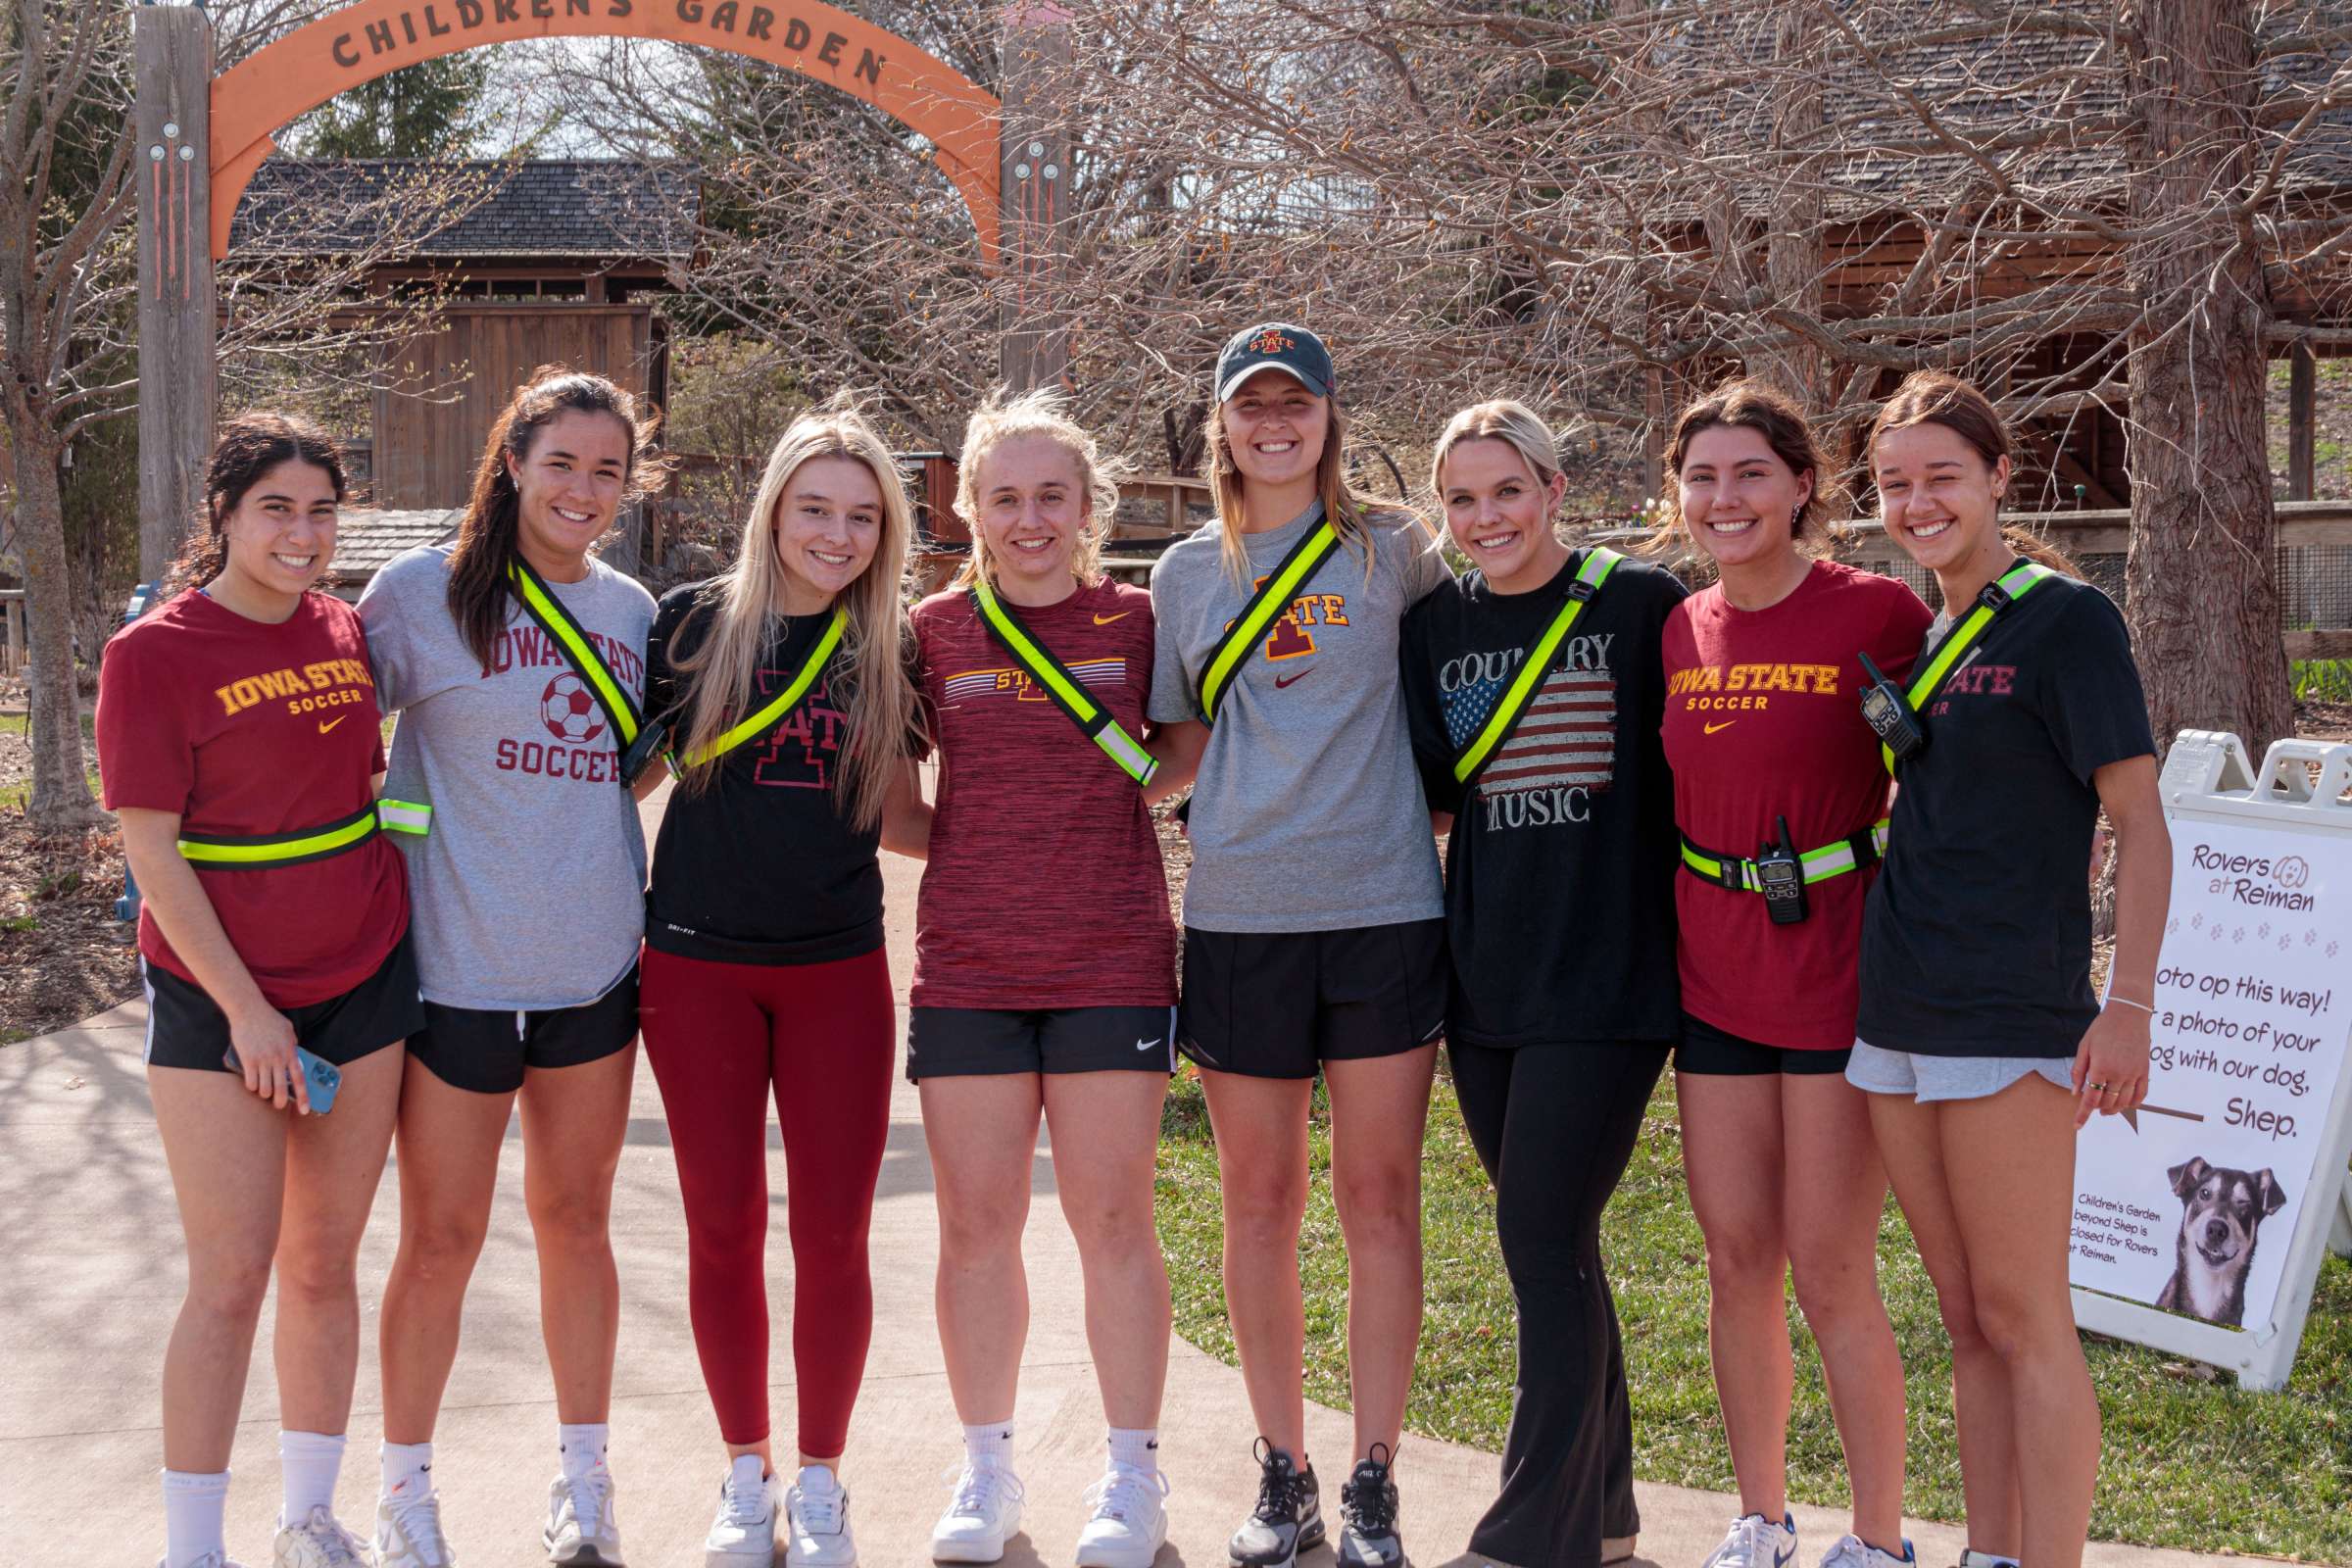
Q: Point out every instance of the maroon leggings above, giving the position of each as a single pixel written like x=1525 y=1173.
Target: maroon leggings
x=718 y=1036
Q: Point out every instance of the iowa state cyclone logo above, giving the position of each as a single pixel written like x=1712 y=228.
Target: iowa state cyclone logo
x=568 y=710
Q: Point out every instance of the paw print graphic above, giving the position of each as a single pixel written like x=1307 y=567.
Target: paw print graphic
x=2262 y=930
x=2310 y=936
x=2285 y=943
x=2214 y=932
x=2195 y=920
x=2238 y=935
x=2171 y=925
x=2331 y=949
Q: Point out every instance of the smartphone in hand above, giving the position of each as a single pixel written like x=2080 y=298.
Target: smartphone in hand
x=323 y=1077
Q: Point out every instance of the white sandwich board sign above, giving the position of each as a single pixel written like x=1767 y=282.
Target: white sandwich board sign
x=2200 y=1221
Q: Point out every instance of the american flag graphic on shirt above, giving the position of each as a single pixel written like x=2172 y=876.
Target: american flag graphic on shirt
x=1568 y=735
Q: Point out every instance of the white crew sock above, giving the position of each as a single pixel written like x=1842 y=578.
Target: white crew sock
x=193 y=1507
x=1973 y=1559
x=310 y=1462
x=988 y=1442
x=407 y=1469
x=582 y=1444
x=1136 y=1448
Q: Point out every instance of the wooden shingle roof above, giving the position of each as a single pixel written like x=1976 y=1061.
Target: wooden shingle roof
x=543 y=207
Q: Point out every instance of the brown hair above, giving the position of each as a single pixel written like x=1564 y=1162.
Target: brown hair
x=1938 y=397
x=1747 y=403
x=487 y=540
x=250 y=446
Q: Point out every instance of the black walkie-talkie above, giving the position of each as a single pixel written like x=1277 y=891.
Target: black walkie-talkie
x=1887 y=712
x=1783 y=875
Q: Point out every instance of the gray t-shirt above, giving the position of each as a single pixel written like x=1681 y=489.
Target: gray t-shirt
x=1308 y=815
x=529 y=892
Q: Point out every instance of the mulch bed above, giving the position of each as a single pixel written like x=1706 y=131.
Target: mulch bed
x=63 y=953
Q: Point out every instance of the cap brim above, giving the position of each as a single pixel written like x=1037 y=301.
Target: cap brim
x=1233 y=383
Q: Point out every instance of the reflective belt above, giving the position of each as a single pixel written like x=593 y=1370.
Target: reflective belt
x=220 y=852
x=1996 y=597
x=1831 y=860
x=1066 y=691
x=771 y=712
x=540 y=603
x=1272 y=599
x=1521 y=694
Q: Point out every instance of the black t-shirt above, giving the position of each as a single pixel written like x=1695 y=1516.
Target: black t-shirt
x=1559 y=874
x=759 y=866
x=1976 y=939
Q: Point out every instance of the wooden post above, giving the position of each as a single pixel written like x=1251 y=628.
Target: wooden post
x=178 y=306
x=2302 y=421
x=1035 y=184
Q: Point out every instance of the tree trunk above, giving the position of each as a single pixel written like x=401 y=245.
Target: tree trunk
x=2203 y=595
x=1795 y=248
x=61 y=793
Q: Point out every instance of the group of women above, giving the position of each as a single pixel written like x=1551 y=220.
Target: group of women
x=1667 y=837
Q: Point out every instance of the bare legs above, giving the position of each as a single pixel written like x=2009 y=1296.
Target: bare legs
x=1995 y=1247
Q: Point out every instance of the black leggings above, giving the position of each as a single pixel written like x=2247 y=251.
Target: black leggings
x=1554 y=1126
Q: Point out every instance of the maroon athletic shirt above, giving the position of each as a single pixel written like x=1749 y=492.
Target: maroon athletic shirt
x=252 y=730
x=1044 y=887
x=1764 y=719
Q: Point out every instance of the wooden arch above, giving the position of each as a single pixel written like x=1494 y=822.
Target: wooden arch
x=367 y=38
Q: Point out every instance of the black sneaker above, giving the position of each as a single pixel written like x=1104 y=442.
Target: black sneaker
x=1288 y=1519
x=1368 y=1536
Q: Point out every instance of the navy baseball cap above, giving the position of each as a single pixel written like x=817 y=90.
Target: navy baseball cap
x=1275 y=345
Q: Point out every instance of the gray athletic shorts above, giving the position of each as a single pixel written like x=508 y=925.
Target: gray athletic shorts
x=1932 y=1078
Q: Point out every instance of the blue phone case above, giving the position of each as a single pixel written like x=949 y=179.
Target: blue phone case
x=324 y=1077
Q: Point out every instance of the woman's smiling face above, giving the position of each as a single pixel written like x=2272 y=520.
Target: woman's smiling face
x=1276 y=428
x=828 y=523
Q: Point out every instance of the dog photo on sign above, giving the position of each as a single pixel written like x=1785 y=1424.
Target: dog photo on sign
x=2221 y=1212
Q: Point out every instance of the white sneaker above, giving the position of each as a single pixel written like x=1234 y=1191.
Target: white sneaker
x=1973 y=1558
x=745 y=1530
x=318 y=1541
x=211 y=1559
x=1755 y=1541
x=1129 y=1523
x=407 y=1531
x=1853 y=1551
x=581 y=1531
x=984 y=1513
x=817 y=1521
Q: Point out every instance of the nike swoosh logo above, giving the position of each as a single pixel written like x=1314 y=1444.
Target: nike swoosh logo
x=1104 y=620
x=1146 y=1045
x=1281 y=681
x=328 y=724
x=1710 y=729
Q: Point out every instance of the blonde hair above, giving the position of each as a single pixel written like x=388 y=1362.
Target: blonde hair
x=1007 y=416
x=1347 y=510
x=1503 y=419
x=724 y=667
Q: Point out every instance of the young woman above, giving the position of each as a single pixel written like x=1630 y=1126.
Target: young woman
x=1068 y=1011
x=1559 y=907
x=1314 y=931
x=513 y=658
x=237 y=741
x=1767 y=744
x=1979 y=1040
x=793 y=725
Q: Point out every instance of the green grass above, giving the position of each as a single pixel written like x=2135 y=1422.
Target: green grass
x=2322 y=680
x=2189 y=1464
x=14 y=797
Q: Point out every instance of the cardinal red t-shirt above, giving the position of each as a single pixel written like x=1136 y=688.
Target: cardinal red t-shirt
x=249 y=729
x=1763 y=720
x=1044 y=887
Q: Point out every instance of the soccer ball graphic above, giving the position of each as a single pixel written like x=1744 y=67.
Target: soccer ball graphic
x=568 y=711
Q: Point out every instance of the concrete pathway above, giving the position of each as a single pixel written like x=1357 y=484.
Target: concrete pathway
x=91 y=1273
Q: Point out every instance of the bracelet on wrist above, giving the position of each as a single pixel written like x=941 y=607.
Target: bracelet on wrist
x=2128 y=1003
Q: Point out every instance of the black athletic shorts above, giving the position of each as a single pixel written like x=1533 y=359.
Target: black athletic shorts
x=972 y=1042
x=1277 y=1004
x=1710 y=1052
x=186 y=1028
x=486 y=1049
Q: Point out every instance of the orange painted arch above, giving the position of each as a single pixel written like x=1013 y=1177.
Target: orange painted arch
x=369 y=37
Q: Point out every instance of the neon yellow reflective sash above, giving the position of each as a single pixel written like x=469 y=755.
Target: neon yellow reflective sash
x=1831 y=860
x=773 y=712
x=540 y=603
x=1067 y=692
x=1272 y=599
x=1521 y=694
x=1996 y=597
x=221 y=851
